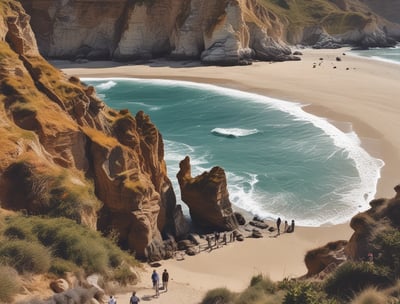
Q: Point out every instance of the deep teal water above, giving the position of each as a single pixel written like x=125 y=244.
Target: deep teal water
x=279 y=160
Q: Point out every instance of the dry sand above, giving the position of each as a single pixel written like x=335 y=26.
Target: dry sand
x=356 y=90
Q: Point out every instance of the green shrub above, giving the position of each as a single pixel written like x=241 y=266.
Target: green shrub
x=264 y=283
x=386 y=249
x=302 y=293
x=9 y=284
x=15 y=232
x=124 y=276
x=72 y=246
x=25 y=256
x=352 y=277
x=250 y=295
x=218 y=296
x=60 y=267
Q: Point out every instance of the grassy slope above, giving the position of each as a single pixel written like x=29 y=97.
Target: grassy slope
x=303 y=13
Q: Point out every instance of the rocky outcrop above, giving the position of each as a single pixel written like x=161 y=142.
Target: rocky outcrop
x=65 y=153
x=382 y=219
x=325 y=258
x=226 y=32
x=361 y=24
x=384 y=214
x=207 y=197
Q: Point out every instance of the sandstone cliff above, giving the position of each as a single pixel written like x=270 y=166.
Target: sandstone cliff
x=223 y=32
x=217 y=31
x=65 y=153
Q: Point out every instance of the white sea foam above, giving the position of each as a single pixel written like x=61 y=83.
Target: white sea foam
x=233 y=132
x=106 y=85
x=356 y=199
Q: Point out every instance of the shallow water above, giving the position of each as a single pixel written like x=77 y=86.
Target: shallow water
x=382 y=54
x=279 y=160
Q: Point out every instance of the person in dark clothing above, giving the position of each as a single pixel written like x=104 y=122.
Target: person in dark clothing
x=165 y=279
x=278 y=225
x=291 y=227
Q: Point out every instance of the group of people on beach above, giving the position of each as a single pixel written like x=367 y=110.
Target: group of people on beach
x=218 y=239
x=286 y=228
x=155 y=279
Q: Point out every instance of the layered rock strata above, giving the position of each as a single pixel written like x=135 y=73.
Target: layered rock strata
x=207 y=197
x=223 y=32
x=65 y=153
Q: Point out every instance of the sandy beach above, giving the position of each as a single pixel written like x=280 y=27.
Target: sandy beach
x=353 y=90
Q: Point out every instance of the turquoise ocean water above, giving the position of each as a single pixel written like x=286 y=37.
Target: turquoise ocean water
x=382 y=54
x=279 y=160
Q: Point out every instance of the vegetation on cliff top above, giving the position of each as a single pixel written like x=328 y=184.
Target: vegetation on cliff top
x=355 y=282
x=303 y=13
x=55 y=247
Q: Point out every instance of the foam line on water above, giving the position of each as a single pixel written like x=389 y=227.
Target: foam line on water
x=367 y=166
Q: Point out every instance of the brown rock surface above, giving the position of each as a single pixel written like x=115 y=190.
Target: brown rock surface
x=319 y=259
x=207 y=197
x=383 y=214
x=63 y=152
x=216 y=31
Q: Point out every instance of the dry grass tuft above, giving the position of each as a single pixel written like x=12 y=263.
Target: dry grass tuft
x=370 y=296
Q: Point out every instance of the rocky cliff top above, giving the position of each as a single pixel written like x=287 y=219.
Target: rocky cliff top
x=65 y=153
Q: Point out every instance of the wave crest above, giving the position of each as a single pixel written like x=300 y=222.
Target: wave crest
x=233 y=132
x=106 y=85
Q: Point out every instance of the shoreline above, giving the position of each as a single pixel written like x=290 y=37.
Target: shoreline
x=290 y=82
x=355 y=90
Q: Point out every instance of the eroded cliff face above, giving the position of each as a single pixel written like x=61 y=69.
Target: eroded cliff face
x=207 y=197
x=65 y=153
x=221 y=32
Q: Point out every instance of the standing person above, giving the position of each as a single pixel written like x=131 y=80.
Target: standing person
x=134 y=299
x=278 y=225
x=165 y=279
x=208 y=239
x=285 y=228
x=156 y=282
x=224 y=238
x=112 y=300
x=291 y=227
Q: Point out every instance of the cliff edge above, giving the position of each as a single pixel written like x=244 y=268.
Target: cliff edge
x=65 y=153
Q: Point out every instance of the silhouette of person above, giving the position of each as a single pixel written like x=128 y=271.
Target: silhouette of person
x=278 y=225
x=285 y=228
x=208 y=239
x=291 y=227
x=165 y=279
x=134 y=299
x=112 y=300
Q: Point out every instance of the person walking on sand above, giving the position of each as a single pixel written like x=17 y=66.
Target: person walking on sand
x=278 y=225
x=156 y=282
x=112 y=300
x=165 y=279
x=134 y=299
